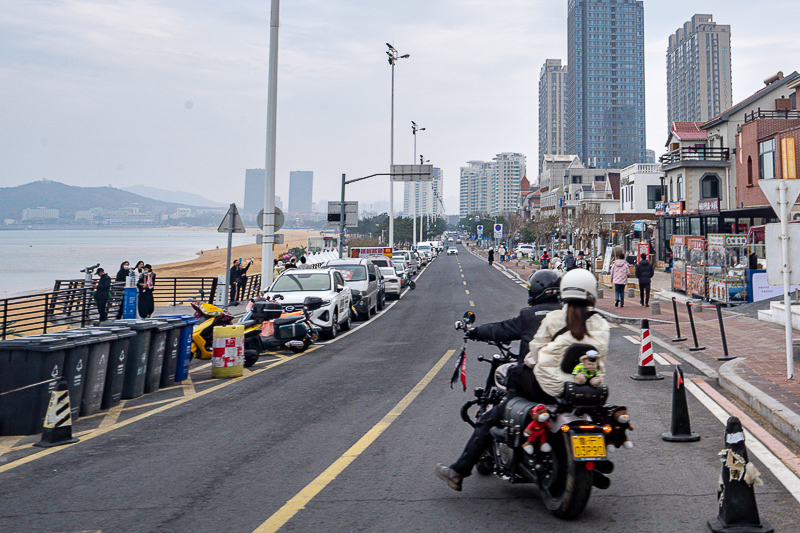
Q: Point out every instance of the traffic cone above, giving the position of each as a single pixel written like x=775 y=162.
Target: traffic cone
x=681 y=430
x=647 y=365
x=57 y=423
x=736 y=498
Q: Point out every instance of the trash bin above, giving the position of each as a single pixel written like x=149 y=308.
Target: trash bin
x=115 y=372
x=184 y=345
x=138 y=354
x=23 y=362
x=155 y=362
x=96 y=366
x=171 y=350
x=76 y=361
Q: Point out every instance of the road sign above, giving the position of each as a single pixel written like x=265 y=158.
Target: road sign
x=498 y=231
x=772 y=242
x=350 y=214
x=772 y=190
x=277 y=239
x=412 y=172
x=279 y=219
x=225 y=227
x=477 y=218
x=480 y=231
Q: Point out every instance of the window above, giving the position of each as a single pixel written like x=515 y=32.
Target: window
x=576 y=179
x=766 y=160
x=709 y=186
x=653 y=195
x=680 y=189
x=600 y=178
x=750 y=171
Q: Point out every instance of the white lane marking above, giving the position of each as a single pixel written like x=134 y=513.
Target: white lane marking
x=776 y=466
x=632 y=339
x=660 y=360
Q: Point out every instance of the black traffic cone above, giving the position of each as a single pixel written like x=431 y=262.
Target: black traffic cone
x=681 y=430
x=738 y=512
x=58 y=422
x=647 y=365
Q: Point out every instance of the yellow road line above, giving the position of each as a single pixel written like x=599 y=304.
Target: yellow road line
x=201 y=367
x=290 y=508
x=464 y=282
x=188 y=386
x=471 y=303
x=113 y=414
x=7 y=443
x=462 y=275
x=466 y=291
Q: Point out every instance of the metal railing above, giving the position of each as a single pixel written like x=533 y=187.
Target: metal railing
x=696 y=154
x=772 y=114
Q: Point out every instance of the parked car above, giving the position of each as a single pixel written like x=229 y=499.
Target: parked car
x=393 y=281
x=452 y=250
x=326 y=283
x=524 y=250
x=409 y=257
x=425 y=250
x=380 y=261
x=361 y=275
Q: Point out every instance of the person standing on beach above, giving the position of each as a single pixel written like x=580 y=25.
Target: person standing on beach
x=102 y=291
x=146 y=284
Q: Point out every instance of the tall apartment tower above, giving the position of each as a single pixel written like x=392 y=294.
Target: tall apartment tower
x=605 y=82
x=699 y=71
x=301 y=188
x=253 y=190
x=492 y=187
x=552 y=99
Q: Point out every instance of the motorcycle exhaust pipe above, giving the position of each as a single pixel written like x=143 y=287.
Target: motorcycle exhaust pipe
x=294 y=344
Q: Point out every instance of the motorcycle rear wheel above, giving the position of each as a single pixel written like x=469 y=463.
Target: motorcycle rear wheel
x=250 y=358
x=568 y=492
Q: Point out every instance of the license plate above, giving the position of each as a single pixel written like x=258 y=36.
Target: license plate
x=588 y=446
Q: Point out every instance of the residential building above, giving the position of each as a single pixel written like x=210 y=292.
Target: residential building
x=605 y=105
x=699 y=70
x=641 y=188
x=474 y=187
x=301 y=188
x=565 y=182
x=40 y=213
x=492 y=187
x=424 y=197
x=552 y=99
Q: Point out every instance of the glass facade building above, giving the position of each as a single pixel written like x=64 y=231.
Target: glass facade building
x=605 y=82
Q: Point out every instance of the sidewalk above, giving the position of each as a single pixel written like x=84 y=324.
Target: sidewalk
x=757 y=376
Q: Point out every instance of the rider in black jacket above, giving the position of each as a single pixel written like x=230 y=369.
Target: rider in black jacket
x=543 y=294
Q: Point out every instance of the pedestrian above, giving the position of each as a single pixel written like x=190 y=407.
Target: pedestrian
x=277 y=268
x=123 y=272
x=303 y=263
x=569 y=261
x=292 y=263
x=582 y=261
x=644 y=273
x=122 y=275
x=241 y=282
x=502 y=252
x=138 y=270
x=619 y=277
x=545 y=260
x=102 y=292
x=233 y=280
x=491 y=256
x=556 y=263
x=146 y=285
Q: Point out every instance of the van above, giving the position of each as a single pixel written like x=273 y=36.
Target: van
x=410 y=259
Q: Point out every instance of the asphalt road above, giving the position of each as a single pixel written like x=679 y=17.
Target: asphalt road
x=345 y=437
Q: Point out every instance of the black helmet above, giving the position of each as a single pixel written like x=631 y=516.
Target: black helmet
x=543 y=286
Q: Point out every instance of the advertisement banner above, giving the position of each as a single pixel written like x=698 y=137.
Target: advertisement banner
x=675 y=208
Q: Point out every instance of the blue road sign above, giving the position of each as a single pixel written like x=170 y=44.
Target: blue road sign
x=477 y=218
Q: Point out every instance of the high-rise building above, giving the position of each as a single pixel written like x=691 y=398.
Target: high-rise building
x=423 y=197
x=605 y=82
x=253 y=190
x=552 y=98
x=301 y=188
x=699 y=71
x=492 y=187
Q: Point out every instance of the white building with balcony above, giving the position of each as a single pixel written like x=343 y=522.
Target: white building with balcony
x=640 y=188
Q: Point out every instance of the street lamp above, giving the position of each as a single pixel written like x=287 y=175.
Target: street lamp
x=394 y=55
x=414 y=188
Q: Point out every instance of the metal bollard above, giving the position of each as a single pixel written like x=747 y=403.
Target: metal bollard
x=699 y=307
x=725 y=357
x=677 y=324
x=694 y=348
x=631 y=292
x=655 y=308
x=599 y=294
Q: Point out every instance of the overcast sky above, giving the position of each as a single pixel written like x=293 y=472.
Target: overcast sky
x=172 y=93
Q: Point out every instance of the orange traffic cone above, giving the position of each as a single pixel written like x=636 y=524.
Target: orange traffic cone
x=647 y=365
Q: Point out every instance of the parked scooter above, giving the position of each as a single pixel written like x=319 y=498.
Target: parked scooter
x=267 y=327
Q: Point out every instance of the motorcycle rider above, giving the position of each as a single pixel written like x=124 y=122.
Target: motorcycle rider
x=540 y=378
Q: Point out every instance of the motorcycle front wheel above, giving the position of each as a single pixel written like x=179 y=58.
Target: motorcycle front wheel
x=566 y=491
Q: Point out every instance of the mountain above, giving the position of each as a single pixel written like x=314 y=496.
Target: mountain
x=69 y=199
x=180 y=197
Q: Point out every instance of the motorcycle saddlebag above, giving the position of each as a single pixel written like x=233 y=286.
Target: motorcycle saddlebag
x=585 y=395
x=516 y=418
x=288 y=332
x=264 y=310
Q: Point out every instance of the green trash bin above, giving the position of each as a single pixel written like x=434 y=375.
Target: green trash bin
x=115 y=372
x=24 y=362
x=172 y=350
x=155 y=363
x=138 y=355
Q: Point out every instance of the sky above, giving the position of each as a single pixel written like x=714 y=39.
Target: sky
x=173 y=93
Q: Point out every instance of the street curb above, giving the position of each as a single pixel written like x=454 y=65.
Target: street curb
x=617 y=319
x=784 y=419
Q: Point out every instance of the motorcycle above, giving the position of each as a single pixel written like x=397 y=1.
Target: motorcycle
x=581 y=427
x=267 y=327
x=203 y=332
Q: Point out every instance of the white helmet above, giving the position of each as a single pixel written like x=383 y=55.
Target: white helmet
x=579 y=285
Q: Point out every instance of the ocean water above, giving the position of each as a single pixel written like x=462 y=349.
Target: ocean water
x=31 y=260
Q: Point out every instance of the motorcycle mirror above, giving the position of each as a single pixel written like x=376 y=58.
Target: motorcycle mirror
x=469 y=317
x=458 y=324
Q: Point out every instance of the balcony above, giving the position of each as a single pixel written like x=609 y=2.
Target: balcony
x=696 y=157
x=772 y=115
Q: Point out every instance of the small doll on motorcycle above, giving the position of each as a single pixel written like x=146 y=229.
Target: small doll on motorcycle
x=537 y=429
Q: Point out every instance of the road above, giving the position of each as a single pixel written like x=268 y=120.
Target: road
x=345 y=437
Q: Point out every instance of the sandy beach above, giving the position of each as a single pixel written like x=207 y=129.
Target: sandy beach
x=212 y=262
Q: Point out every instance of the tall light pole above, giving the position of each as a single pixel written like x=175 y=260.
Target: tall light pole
x=414 y=188
x=422 y=161
x=268 y=228
x=394 y=55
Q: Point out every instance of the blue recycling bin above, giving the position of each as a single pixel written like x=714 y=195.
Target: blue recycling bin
x=185 y=345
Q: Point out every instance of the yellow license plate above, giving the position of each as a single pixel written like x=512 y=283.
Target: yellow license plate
x=588 y=446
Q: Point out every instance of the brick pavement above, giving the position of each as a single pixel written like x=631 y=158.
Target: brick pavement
x=759 y=344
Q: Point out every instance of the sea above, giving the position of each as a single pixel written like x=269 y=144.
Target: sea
x=31 y=260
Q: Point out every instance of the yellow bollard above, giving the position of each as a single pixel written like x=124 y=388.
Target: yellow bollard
x=227 y=359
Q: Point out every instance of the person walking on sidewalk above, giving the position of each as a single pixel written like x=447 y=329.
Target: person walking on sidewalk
x=644 y=273
x=582 y=262
x=502 y=252
x=569 y=261
x=556 y=263
x=491 y=256
x=619 y=277
x=545 y=260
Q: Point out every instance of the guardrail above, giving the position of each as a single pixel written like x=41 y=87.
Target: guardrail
x=696 y=154
x=771 y=114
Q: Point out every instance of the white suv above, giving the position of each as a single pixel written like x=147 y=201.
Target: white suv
x=524 y=250
x=327 y=283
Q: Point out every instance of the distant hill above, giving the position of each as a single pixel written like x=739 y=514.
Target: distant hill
x=180 y=197
x=69 y=199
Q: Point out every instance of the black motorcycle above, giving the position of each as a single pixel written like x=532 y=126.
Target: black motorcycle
x=581 y=426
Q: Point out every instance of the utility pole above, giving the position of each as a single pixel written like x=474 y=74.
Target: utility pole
x=268 y=229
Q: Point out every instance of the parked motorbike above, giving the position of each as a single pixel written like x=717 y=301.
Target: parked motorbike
x=203 y=332
x=267 y=327
x=581 y=426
